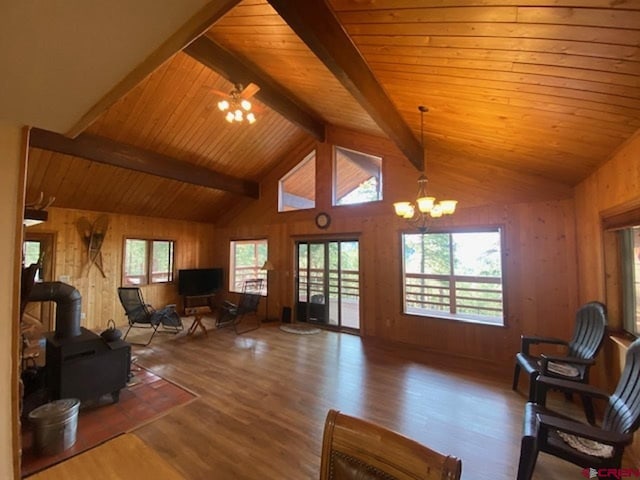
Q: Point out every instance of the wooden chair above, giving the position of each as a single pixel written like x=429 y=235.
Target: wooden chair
x=356 y=449
x=247 y=306
x=588 y=336
x=584 y=445
x=142 y=315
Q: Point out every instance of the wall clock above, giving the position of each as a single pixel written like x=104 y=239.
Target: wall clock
x=323 y=220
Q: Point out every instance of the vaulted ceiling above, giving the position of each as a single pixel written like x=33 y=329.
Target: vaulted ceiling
x=541 y=92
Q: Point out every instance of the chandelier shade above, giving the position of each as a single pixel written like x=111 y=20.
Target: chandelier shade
x=425 y=207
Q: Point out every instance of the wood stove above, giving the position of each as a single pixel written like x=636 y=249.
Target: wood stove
x=79 y=363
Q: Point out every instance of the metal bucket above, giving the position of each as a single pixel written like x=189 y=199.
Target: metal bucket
x=55 y=426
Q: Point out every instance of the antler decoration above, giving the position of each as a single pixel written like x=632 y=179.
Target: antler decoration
x=40 y=204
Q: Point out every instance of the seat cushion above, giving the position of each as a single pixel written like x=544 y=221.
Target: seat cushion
x=587 y=446
x=563 y=369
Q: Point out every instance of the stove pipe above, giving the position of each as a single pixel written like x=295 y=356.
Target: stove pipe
x=68 y=306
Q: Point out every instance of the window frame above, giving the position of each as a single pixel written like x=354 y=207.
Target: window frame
x=149 y=262
x=259 y=273
x=497 y=228
x=311 y=156
x=334 y=177
x=614 y=220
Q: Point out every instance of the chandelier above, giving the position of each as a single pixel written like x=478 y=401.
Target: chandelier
x=420 y=212
x=238 y=109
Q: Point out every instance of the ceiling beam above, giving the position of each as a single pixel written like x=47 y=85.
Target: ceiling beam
x=315 y=23
x=196 y=26
x=237 y=70
x=106 y=151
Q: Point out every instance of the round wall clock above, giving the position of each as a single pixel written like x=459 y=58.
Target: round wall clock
x=323 y=220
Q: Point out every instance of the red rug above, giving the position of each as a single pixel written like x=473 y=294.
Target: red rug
x=146 y=398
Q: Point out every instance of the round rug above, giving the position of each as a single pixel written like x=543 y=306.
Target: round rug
x=299 y=329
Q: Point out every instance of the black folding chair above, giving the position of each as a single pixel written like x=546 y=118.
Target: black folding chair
x=143 y=315
x=247 y=306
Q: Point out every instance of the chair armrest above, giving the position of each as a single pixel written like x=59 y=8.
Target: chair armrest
x=228 y=304
x=527 y=341
x=545 y=383
x=584 y=430
x=575 y=360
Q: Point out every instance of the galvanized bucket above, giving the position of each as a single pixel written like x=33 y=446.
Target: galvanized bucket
x=55 y=426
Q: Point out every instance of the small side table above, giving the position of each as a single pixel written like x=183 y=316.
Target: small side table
x=198 y=313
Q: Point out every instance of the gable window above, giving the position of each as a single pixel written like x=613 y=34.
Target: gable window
x=357 y=177
x=297 y=189
x=454 y=275
x=147 y=261
x=246 y=260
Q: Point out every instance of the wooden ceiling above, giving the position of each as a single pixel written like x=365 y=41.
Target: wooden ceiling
x=546 y=90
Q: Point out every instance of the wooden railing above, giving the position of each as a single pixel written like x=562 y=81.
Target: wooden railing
x=464 y=296
x=349 y=287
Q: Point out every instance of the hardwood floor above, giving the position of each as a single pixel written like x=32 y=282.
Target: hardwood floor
x=264 y=397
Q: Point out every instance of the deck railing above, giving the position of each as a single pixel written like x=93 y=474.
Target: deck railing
x=472 y=297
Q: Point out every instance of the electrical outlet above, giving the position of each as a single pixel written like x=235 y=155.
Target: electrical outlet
x=83 y=315
x=64 y=278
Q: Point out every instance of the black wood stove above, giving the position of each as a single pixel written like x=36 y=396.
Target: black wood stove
x=79 y=363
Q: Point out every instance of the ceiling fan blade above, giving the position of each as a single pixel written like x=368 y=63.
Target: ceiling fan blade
x=249 y=91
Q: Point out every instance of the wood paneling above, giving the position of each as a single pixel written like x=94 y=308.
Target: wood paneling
x=540 y=277
x=531 y=96
x=193 y=248
x=611 y=187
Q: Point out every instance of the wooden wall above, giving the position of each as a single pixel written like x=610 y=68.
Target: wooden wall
x=540 y=271
x=193 y=248
x=612 y=187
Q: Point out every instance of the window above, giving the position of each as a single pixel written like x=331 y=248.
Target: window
x=147 y=261
x=246 y=260
x=357 y=177
x=455 y=275
x=630 y=265
x=297 y=189
x=31 y=253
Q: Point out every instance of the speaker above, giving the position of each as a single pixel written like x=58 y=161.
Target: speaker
x=286 y=314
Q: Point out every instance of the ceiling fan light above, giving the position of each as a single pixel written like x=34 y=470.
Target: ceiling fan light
x=229 y=117
x=246 y=104
x=223 y=105
x=448 y=206
x=238 y=115
x=251 y=118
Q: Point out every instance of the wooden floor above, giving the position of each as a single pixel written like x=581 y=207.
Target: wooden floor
x=125 y=456
x=264 y=396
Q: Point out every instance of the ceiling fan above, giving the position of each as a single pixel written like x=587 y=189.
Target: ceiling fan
x=237 y=104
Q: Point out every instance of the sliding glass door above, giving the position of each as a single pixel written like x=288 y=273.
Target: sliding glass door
x=328 y=283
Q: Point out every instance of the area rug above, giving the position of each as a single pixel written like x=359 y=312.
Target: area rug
x=299 y=329
x=146 y=398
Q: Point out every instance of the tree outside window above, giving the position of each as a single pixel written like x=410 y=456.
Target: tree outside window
x=454 y=275
x=246 y=259
x=147 y=261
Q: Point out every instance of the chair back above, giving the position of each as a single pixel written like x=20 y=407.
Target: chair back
x=134 y=307
x=353 y=448
x=250 y=297
x=623 y=412
x=591 y=325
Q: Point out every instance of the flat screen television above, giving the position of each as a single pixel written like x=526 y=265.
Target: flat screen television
x=200 y=281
